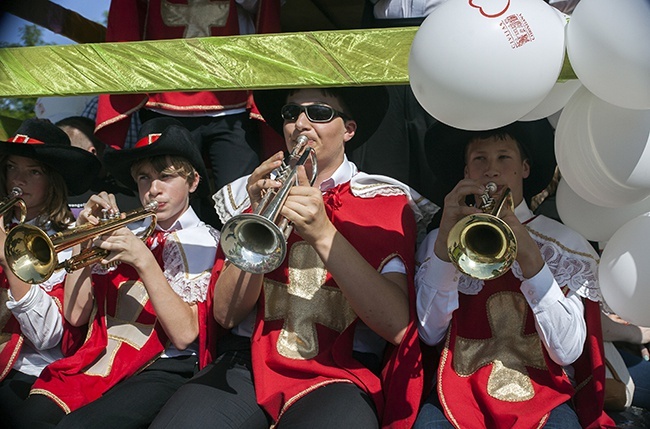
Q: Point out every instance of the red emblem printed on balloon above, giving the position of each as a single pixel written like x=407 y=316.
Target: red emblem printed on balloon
x=491 y=8
x=517 y=30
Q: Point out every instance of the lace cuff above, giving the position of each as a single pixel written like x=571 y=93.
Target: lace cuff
x=232 y=199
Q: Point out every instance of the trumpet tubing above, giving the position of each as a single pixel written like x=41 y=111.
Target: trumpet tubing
x=32 y=254
x=12 y=200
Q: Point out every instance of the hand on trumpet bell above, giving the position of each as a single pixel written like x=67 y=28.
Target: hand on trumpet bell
x=259 y=181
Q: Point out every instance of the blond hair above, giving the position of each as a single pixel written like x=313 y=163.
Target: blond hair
x=168 y=164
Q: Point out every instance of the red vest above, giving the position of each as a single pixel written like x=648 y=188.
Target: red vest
x=11 y=337
x=305 y=327
x=125 y=336
x=495 y=372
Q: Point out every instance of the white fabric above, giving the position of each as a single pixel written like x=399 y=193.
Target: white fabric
x=570 y=261
x=40 y=320
x=396 y=9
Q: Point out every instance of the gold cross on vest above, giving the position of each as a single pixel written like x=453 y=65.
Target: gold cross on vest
x=197 y=16
x=303 y=303
x=122 y=328
x=509 y=350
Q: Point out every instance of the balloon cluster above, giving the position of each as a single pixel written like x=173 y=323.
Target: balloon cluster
x=482 y=64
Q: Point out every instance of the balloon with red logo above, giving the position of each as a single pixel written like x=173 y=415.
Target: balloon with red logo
x=481 y=64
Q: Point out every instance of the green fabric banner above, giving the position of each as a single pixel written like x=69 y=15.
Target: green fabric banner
x=321 y=58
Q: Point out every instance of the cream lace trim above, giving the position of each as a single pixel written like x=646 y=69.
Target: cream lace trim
x=190 y=288
x=576 y=270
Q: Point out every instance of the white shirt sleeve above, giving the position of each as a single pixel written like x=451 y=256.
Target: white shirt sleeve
x=394 y=9
x=559 y=320
x=39 y=318
x=436 y=286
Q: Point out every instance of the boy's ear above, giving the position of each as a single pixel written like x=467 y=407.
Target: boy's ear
x=526 y=169
x=195 y=183
x=350 y=129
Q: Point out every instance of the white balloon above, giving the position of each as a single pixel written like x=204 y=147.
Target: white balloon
x=481 y=65
x=622 y=139
x=554 y=118
x=602 y=150
x=595 y=223
x=554 y=101
x=624 y=271
x=607 y=44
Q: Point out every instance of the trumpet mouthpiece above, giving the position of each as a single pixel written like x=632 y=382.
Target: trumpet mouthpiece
x=302 y=140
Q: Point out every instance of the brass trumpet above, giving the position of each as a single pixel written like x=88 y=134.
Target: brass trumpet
x=257 y=242
x=11 y=200
x=31 y=253
x=482 y=245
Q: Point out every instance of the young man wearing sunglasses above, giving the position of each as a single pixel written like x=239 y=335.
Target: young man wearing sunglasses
x=327 y=339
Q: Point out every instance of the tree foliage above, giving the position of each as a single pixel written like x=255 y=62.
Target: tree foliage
x=22 y=108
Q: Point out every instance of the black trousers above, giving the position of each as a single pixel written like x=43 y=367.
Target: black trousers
x=132 y=403
x=14 y=389
x=222 y=396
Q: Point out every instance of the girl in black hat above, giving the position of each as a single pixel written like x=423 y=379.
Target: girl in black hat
x=146 y=306
x=40 y=161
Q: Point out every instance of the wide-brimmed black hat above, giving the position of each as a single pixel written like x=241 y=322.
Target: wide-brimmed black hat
x=367 y=106
x=157 y=137
x=445 y=152
x=43 y=141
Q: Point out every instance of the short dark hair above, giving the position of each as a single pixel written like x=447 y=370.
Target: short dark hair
x=510 y=130
x=87 y=127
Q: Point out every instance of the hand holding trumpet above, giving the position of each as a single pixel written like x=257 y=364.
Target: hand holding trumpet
x=32 y=255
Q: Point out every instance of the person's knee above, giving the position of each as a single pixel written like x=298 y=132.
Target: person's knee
x=37 y=411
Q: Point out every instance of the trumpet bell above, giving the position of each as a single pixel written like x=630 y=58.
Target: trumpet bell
x=253 y=243
x=30 y=254
x=482 y=246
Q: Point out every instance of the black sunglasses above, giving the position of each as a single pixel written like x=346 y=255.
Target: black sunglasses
x=314 y=112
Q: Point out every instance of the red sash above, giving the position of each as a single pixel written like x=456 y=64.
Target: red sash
x=494 y=370
x=304 y=332
x=11 y=337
